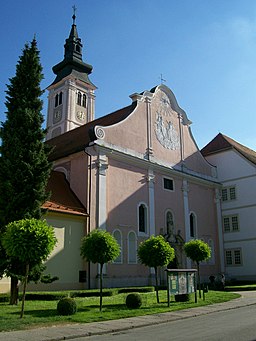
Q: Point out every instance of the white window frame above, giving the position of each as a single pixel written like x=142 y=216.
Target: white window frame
x=195 y=227
x=233 y=257
x=167 y=189
x=231 y=223
x=228 y=195
x=143 y=233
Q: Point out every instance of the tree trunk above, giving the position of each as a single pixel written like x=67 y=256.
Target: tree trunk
x=156 y=277
x=101 y=275
x=24 y=291
x=14 y=291
x=198 y=279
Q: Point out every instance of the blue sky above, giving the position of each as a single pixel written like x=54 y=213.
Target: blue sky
x=205 y=50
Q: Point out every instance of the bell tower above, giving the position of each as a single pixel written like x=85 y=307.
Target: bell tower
x=71 y=99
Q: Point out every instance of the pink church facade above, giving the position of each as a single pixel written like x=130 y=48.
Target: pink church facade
x=139 y=173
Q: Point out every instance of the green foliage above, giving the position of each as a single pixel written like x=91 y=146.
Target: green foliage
x=155 y=252
x=47 y=279
x=133 y=301
x=67 y=306
x=30 y=241
x=45 y=296
x=197 y=250
x=136 y=289
x=99 y=247
x=24 y=165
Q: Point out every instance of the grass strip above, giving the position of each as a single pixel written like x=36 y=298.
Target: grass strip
x=40 y=313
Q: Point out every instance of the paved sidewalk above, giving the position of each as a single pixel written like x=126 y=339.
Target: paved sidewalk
x=73 y=331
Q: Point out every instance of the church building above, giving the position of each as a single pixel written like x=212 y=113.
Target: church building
x=136 y=172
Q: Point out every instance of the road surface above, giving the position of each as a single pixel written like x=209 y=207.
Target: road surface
x=231 y=325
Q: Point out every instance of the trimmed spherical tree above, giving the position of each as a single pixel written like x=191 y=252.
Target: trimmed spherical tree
x=198 y=251
x=100 y=247
x=155 y=252
x=29 y=242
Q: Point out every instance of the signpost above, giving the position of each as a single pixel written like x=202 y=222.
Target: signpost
x=181 y=281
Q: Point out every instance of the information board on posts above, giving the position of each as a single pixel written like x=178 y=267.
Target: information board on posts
x=181 y=281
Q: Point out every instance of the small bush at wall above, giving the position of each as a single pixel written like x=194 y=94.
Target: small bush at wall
x=93 y=293
x=66 y=306
x=4 y=298
x=182 y=298
x=133 y=301
x=136 y=289
x=45 y=296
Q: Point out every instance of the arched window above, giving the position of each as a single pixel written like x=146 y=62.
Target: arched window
x=56 y=100
x=79 y=98
x=143 y=212
x=132 y=248
x=118 y=236
x=192 y=222
x=84 y=101
x=169 y=223
x=60 y=98
x=78 y=48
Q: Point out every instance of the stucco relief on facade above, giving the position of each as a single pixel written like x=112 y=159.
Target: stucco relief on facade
x=164 y=129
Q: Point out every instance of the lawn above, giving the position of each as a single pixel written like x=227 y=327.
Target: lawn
x=42 y=313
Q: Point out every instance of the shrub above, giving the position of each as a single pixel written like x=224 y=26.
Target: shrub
x=4 y=298
x=66 y=306
x=45 y=296
x=182 y=298
x=135 y=289
x=133 y=301
x=93 y=293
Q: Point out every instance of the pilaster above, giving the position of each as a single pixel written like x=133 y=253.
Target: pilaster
x=185 y=190
x=102 y=165
x=151 y=194
x=220 y=230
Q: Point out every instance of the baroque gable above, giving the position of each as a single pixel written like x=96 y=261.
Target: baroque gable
x=157 y=130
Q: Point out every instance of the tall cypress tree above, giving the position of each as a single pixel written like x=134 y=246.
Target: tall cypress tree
x=24 y=165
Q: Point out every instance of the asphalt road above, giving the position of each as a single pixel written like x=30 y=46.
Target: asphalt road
x=232 y=325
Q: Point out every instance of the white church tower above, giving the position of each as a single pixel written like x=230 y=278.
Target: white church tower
x=71 y=99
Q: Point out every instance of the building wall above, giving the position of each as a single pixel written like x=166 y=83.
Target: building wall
x=236 y=171
x=65 y=260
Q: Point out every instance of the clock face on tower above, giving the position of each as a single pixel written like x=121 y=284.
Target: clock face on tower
x=57 y=116
x=80 y=115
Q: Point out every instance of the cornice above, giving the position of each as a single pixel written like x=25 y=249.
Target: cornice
x=138 y=159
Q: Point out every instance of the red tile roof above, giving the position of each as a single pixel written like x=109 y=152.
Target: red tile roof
x=62 y=198
x=221 y=143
